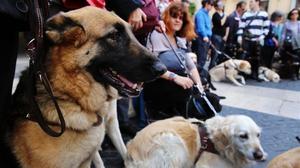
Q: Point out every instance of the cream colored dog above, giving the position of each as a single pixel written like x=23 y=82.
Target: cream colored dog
x=268 y=75
x=229 y=70
x=176 y=143
x=289 y=159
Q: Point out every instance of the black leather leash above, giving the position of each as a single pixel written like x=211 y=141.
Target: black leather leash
x=36 y=50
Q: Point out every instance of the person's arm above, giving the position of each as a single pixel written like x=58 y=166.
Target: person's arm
x=283 y=36
x=200 y=25
x=240 y=31
x=266 y=24
x=184 y=82
x=194 y=74
x=227 y=28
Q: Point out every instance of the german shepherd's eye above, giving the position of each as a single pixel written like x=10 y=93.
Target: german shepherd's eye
x=244 y=136
x=113 y=35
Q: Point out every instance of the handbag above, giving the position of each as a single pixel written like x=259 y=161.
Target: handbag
x=17 y=10
x=197 y=106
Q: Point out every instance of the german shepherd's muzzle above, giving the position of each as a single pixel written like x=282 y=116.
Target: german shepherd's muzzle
x=125 y=68
x=119 y=60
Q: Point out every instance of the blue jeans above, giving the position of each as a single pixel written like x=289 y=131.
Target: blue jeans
x=201 y=51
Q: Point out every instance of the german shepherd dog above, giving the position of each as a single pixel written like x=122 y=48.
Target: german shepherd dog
x=92 y=58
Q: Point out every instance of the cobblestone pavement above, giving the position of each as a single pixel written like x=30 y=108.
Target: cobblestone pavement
x=278 y=136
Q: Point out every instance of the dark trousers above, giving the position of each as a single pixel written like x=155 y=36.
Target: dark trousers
x=122 y=110
x=253 y=55
x=219 y=44
x=201 y=51
x=157 y=112
x=9 y=50
x=267 y=56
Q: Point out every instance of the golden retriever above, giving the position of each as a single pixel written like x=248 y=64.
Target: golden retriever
x=92 y=58
x=175 y=143
x=289 y=159
x=229 y=70
x=268 y=75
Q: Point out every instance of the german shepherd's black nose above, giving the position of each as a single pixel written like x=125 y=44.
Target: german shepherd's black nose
x=158 y=68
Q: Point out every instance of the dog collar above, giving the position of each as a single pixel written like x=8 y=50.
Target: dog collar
x=206 y=144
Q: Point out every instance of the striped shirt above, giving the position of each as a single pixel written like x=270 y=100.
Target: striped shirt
x=253 y=25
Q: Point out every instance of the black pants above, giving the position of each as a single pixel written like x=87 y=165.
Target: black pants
x=219 y=44
x=157 y=112
x=9 y=49
x=164 y=99
x=253 y=55
x=267 y=56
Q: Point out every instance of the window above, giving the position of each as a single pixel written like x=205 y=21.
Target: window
x=265 y=5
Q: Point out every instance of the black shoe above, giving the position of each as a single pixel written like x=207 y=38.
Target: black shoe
x=129 y=129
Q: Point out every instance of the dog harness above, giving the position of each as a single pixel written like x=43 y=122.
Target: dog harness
x=206 y=144
x=31 y=117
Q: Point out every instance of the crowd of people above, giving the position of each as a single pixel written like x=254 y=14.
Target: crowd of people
x=167 y=28
x=247 y=34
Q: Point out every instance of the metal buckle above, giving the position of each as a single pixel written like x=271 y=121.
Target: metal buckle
x=30 y=48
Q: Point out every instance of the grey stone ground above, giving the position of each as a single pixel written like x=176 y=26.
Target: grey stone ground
x=278 y=136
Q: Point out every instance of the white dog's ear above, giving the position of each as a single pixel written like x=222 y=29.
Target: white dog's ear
x=242 y=65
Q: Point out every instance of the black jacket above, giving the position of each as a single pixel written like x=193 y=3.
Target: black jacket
x=123 y=8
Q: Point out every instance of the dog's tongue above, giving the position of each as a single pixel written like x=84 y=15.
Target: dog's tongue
x=127 y=82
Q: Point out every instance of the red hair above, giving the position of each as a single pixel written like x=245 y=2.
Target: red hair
x=176 y=8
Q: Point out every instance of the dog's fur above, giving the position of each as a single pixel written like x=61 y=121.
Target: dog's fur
x=81 y=44
x=268 y=75
x=175 y=142
x=229 y=70
x=289 y=159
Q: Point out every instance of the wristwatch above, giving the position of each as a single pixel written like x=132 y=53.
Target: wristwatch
x=172 y=76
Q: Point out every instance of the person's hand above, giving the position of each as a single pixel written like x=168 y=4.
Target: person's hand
x=225 y=38
x=184 y=82
x=161 y=27
x=206 y=39
x=276 y=42
x=200 y=87
x=261 y=40
x=136 y=18
x=240 y=40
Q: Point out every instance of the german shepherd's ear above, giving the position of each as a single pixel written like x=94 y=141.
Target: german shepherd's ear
x=61 y=29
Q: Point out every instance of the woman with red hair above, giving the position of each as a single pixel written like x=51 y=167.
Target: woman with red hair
x=168 y=95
